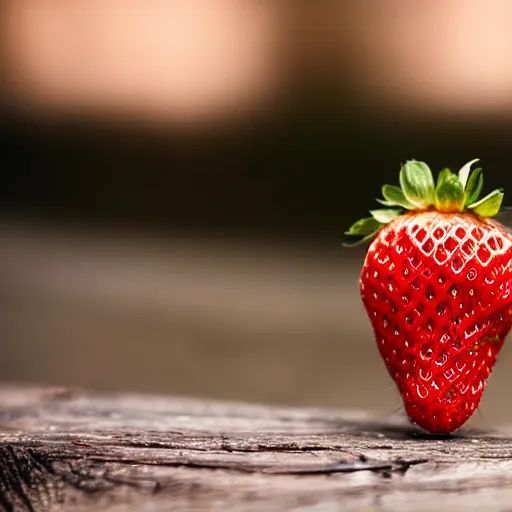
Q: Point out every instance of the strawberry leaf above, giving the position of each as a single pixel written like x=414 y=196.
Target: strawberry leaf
x=365 y=228
x=474 y=186
x=449 y=192
x=418 y=192
x=488 y=206
x=443 y=176
x=385 y=216
x=465 y=171
x=417 y=183
x=394 y=196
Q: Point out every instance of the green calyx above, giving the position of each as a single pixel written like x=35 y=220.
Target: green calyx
x=418 y=191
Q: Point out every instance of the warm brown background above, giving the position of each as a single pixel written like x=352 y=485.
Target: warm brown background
x=176 y=178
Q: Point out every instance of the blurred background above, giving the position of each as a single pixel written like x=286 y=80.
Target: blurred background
x=176 y=178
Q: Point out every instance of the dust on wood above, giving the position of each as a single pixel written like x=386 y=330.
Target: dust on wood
x=70 y=450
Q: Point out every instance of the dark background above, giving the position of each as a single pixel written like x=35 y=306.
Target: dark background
x=305 y=172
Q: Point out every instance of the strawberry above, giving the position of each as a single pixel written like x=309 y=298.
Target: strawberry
x=437 y=286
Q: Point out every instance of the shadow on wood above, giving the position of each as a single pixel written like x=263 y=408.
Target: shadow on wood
x=66 y=450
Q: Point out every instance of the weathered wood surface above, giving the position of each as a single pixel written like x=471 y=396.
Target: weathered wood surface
x=70 y=450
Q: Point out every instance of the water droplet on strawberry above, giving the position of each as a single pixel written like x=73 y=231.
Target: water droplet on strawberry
x=422 y=391
x=424 y=374
x=426 y=353
x=441 y=359
x=445 y=338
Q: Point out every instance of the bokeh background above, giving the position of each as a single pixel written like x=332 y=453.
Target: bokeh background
x=176 y=178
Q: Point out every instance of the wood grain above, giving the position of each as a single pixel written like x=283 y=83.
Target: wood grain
x=73 y=450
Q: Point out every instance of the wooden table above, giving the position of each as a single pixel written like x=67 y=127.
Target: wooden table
x=72 y=450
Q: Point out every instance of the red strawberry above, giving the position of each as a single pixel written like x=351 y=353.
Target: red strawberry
x=437 y=287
